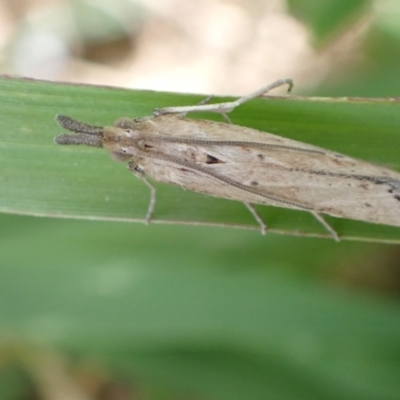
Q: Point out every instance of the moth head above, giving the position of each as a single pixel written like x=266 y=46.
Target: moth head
x=125 y=123
x=114 y=138
x=120 y=137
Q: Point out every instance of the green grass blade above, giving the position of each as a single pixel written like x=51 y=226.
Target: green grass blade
x=39 y=178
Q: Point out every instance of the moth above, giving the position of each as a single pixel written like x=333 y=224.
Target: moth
x=238 y=163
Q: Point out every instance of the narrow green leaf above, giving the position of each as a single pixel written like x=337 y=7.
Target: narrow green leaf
x=39 y=178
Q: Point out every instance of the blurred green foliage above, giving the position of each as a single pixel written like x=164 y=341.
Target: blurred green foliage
x=199 y=310
x=326 y=17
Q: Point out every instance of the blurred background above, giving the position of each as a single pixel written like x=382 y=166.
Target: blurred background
x=109 y=311
x=208 y=46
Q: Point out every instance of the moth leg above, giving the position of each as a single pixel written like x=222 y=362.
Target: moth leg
x=206 y=100
x=254 y=213
x=200 y=103
x=152 y=202
x=224 y=108
x=139 y=173
x=321 y=220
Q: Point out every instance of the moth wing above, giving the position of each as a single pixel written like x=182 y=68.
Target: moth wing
x=280 y=171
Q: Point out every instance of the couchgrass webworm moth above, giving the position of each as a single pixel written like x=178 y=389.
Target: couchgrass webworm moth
x=238 y=163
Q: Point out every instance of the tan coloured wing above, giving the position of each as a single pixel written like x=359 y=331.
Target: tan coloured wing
x=277 y=171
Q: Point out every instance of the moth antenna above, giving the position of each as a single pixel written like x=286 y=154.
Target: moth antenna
x=79 y=138
x=77 y=126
